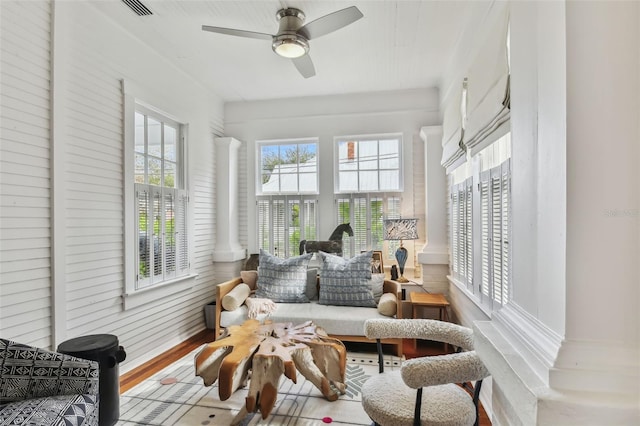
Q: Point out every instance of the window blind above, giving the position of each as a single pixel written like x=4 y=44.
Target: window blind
x=453 y=154
x=488 y=84
x=495 y=206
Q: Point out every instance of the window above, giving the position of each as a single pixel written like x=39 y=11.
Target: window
x=365 y=213
x=287 y=171
x=284 y=221
x=368 y=164
x=479 y=212
x=162 y=244
x=288 y=167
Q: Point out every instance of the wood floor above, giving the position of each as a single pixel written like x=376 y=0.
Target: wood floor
x=132 y=378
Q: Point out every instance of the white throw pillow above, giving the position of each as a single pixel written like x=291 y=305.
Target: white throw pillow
x=388 y=304
x=236 y=297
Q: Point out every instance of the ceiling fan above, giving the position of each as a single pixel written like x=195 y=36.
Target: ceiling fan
x=292 y=39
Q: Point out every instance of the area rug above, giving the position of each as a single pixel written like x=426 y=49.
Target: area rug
x=184 y=400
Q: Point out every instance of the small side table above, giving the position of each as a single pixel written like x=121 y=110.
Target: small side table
x=429 y=300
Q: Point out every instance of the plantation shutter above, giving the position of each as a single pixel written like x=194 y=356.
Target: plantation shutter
x=485 y=235
x=505 y=189
x=310 y=225
x=375 y=225
x=182 y=237
x=283 y=222
x=496 y=231
x=143 y=235
x=360 y=229
x=468 y=219
x=169 y=233
x=462 y=265
x=455 y=201
x=343 y=215
x=156 y=240
x=278 y=228
x=264 y=222
x=495 y=211
x=293 y=230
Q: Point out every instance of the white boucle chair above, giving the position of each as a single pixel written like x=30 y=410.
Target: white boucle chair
x=397 y=398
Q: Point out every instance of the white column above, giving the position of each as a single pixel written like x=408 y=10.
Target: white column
x=227 y=247
x=435 y=250
x=434 y=256
x=600 y=351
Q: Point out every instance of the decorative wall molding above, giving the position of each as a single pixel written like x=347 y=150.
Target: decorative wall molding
x=597 y=366
x=428 y=256
x=537 y=343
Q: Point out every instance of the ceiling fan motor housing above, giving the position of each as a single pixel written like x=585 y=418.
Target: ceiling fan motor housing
x=288 y=42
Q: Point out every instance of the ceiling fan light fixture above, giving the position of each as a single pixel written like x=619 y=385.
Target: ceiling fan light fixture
x=290 y=46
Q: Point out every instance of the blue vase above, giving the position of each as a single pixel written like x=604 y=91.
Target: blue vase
x=401 y=257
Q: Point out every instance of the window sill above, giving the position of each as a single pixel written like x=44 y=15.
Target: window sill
x=472 y=297
x=157 y=292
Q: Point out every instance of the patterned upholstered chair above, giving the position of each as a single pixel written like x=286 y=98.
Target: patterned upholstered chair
x=39 y=387
x=425 y=390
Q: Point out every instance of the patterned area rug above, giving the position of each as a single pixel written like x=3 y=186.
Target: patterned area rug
x=188 y=402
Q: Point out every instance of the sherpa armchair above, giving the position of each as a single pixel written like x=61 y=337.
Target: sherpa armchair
x=40 y=387
x=425 y=390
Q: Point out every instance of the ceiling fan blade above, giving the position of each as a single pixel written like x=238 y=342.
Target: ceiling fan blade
x=239 y=33
x=331 y=22
x=304 y=64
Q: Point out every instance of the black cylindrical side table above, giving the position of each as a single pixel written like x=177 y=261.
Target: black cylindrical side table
x=105 y=349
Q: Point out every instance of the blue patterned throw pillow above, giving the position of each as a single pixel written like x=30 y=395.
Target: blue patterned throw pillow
x=346 y=282
x=283 y=280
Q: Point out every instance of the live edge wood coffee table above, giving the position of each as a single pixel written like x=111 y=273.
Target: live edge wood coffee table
x=269 y=350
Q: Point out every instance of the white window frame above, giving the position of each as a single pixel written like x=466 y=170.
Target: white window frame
x=133 y=295
x=285 y=249
x=362 y=138
x=159 y=202
x=286 y=142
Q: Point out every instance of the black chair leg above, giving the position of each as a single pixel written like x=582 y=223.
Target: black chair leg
x=380 y=357
x=418 y=408
x=476 y=401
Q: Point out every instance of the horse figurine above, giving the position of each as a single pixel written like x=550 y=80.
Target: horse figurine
x=333 y=245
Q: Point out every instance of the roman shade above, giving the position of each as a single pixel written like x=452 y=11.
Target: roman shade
x=478 y=113
x=453 y=151
x=488 y=96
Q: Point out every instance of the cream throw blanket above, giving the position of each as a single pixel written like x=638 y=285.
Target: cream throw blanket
x=257 y=305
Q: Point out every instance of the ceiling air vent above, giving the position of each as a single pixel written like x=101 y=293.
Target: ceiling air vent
x=137 y=6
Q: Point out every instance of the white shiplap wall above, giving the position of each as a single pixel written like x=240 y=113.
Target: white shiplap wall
x=25 y=228
x=84 y=188
x=99 y=55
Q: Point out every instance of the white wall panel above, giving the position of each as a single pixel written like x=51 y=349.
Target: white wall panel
x=101 y=54
x=89 y=56
x=25 y=231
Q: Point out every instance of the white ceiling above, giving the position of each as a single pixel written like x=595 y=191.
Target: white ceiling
x=397 y=45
